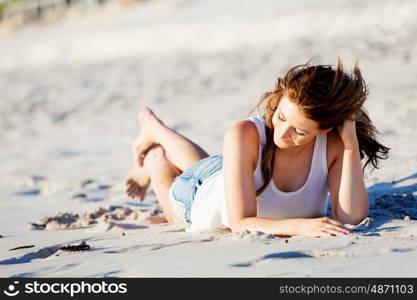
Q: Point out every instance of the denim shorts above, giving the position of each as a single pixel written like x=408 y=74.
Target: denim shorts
x=184 y=187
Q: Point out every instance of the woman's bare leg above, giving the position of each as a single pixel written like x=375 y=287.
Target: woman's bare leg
x=161 y=154
x=161 y=173
x=181 y=151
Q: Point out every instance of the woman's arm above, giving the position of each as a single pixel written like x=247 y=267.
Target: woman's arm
x=346 y=183
x=240 y=155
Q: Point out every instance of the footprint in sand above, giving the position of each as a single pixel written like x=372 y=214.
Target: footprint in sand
x=293 y=254
x=41 y=253
x=47 y=252
x=98 y=216
x=273 y=256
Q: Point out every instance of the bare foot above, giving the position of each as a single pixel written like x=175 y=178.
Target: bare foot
x=145 y=140
x=137 y=183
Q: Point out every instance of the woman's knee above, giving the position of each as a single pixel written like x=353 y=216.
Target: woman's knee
x=156 y=161
x=153 y=155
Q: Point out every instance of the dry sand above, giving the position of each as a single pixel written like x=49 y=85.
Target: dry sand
x=70 y=93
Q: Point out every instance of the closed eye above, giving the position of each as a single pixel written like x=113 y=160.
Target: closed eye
x=299 y=133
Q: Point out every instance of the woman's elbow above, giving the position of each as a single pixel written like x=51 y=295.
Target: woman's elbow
x=353 y=220
x=236 y=224
x=361 y=216
x=359 y=219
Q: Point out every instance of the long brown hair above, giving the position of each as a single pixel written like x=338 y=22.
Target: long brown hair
x=325 y=95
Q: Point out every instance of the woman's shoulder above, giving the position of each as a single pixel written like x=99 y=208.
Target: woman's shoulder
x=259 y=123
x=245 y=133
x=335 y=147
x=246 y=130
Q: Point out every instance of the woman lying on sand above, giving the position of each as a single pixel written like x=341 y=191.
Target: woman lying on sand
x=276 y=168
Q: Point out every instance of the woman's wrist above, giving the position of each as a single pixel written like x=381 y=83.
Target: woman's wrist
x=347 y=132
x=351 y=145
x=296 y=224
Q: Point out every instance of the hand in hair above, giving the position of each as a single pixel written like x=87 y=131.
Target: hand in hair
x=347 y=132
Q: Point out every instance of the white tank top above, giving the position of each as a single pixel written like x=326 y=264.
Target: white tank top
x=209 y=207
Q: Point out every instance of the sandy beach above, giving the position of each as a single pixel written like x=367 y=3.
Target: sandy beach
x=70 y=92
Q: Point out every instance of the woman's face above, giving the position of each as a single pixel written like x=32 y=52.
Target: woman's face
x=291 y=127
